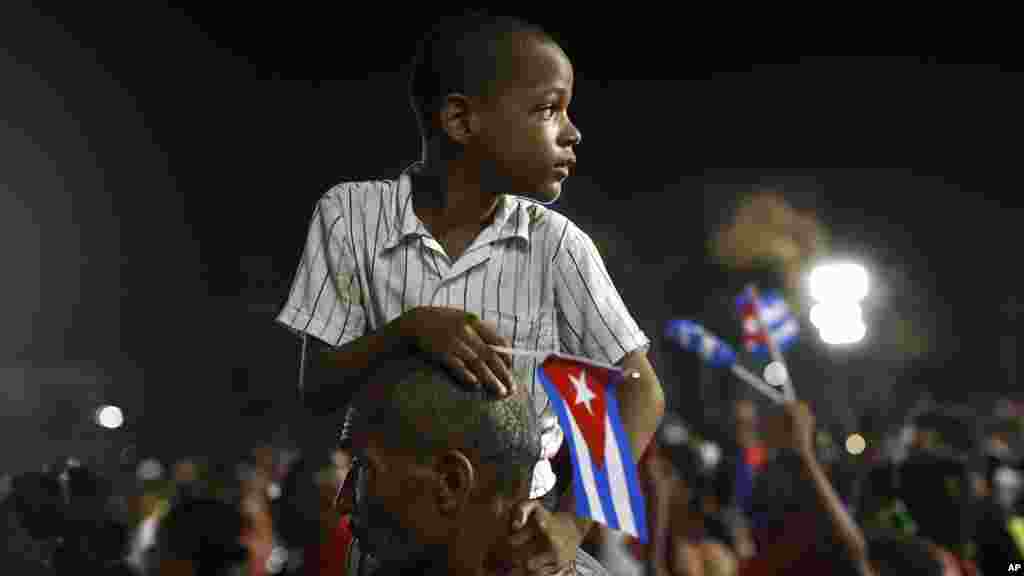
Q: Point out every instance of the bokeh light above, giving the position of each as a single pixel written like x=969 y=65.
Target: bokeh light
x=855 y=444
x=109 y=417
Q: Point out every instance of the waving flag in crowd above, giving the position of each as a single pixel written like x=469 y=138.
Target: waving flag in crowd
x=604 y=472
x=693 y=337
x=717 y=354
x=776 y=320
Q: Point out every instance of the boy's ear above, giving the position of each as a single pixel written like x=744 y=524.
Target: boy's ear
x=458 y=119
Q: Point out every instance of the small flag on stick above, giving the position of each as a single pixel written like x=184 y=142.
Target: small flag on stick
x=717 y=354
x=605 y=478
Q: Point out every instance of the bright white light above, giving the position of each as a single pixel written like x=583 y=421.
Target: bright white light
x=840 y=282
x=844 y=334
x=109 y=417
x=827 y=315
x=855 y=444
x=710 y=455
x=775 y=374
x=839 y=322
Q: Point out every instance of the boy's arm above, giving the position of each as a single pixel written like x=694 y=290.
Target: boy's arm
x=461 y=341
x=326 y=304
x=641 y=401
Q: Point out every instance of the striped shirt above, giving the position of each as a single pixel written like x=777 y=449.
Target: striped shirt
x=532 y=274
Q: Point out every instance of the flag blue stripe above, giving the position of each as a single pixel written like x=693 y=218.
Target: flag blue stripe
x=558 y=405
x=604 y=493
x=636 y=499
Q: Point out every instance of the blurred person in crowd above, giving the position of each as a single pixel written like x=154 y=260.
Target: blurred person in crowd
x=693 y=551
x=94 y=540
x=441 y=478
x=297 y=514
x=800 y=524
x=722 y=521
x=996 y=492
x=200 y=537
x=30 y=518
x=258 y=528
x=744 y=458
x=936 y=488
x=679 y=542
x=149 y=503
x=895 y=554
x=187 y=482
x=460 y=252
x=310 y=525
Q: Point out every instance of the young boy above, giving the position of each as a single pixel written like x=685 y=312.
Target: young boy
x=460 y=253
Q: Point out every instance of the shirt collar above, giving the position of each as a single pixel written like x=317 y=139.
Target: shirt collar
x=511 y=219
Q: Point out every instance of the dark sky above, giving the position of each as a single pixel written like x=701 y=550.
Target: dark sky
x=159 y=170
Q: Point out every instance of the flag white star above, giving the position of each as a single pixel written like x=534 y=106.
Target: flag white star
x=583 y=393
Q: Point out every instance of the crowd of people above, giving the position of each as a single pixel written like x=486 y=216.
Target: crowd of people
x=785 y=504
x=768 y=506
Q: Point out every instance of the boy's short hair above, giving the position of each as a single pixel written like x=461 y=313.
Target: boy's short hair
x=460 y=54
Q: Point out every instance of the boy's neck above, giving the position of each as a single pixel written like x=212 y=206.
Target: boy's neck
x=449 y=196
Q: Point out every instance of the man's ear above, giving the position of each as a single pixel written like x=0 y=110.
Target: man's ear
x=458 y=119
x=456 y=479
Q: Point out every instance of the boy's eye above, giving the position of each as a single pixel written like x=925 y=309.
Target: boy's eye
x=549 y=112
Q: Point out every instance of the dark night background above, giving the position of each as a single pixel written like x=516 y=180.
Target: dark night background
x=158 y=169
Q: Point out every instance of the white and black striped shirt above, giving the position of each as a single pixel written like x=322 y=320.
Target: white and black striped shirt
x=532 y=274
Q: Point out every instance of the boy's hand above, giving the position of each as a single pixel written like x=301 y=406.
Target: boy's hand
x=462 y=343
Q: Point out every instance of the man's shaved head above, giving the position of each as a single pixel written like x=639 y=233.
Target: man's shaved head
x=416 y=407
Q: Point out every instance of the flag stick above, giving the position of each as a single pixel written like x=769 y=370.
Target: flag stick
x=542 y=354
x=758 y=384
x=773 y=348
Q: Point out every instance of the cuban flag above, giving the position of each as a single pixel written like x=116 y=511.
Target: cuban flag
x=776 y=320
x=604 y=472
x=693 y=337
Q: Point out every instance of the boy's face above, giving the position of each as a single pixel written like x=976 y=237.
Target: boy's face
x=525 y=141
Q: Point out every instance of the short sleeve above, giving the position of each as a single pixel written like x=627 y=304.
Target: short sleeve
x=326 y=299
x=593 y=321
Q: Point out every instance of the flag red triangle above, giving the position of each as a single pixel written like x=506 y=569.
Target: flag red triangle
x=581 y=385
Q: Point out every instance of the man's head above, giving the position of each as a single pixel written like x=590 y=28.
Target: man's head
x=438 y=468
x=493 y=94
